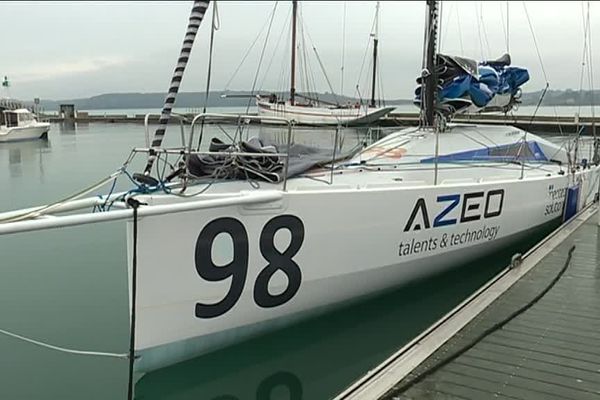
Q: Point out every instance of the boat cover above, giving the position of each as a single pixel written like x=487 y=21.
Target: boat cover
x=265 y=165
x=464 y=84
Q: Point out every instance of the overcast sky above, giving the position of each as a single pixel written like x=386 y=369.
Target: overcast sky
x=60 y=50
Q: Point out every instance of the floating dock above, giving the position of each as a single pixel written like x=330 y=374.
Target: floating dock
x=532 y=332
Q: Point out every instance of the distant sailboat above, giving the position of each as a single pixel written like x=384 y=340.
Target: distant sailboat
x=315 y=112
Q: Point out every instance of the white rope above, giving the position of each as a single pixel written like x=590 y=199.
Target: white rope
x=64 y=349
x=46 y=209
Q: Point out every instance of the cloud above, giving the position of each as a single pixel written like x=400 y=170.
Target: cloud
x=44 y=71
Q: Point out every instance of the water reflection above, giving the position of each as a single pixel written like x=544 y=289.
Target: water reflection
x=67 y=127
x=23 y=153
x=318 y=358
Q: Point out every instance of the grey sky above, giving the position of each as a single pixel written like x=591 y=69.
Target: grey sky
x=59 y=50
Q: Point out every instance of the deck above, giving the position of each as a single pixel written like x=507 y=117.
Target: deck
x=533 y=332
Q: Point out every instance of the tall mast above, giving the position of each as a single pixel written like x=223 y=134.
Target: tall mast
x=429 y=75
x=293 y=78
x=196 y=16
x=375 y=35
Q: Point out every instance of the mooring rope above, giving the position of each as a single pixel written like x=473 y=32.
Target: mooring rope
x=63 y=349
x=47 y=208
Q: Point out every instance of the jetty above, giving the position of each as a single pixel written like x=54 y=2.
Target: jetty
x=545 y=124
x=532 y=332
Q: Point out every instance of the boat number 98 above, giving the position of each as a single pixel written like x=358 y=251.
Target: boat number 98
x=237 y=269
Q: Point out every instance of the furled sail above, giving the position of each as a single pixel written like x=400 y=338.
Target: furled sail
x=259 y=160
x=465 y=85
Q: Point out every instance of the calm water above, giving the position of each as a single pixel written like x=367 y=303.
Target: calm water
x=68 y=287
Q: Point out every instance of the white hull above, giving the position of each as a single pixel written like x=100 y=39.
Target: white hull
x=322 y=115
x=357 y=241
x=240 y=257
x=18 y=133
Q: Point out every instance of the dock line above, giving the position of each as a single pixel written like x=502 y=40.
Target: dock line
x=63 y=349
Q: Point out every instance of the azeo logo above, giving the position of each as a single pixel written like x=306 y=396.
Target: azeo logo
x=473 y=206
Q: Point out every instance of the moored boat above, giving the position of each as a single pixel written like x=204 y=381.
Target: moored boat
x=315 y=113
x=250 y=235
x=21 y=124
x=311 y=111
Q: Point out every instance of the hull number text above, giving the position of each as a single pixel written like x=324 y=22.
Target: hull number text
x=237 y=269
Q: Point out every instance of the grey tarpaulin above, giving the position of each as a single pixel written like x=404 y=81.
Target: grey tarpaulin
x=262 y=166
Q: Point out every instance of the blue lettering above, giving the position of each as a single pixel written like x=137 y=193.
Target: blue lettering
x=454 y=199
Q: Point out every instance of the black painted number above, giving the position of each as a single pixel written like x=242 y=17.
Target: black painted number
x=279 y=261
x=237 y=269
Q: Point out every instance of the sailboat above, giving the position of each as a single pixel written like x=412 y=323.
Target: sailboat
x=311 y=111
x=248 y=236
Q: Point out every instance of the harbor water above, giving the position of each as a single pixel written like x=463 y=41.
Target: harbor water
x=68 y=287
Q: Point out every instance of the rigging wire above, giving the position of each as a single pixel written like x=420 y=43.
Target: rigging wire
x=367 y=47
x=507 y=27
x=479 y=36
x=539 y=56
x=590 y=67
x=343 y=50
x=439 y=29
x=537 y=49
x=248 y=51
x=276 y=49
x=594 y=157
x=583 y=59
x=380 y=85
x=309 y=73
x=262 y=54
x=446 y=25
x=322 y=68
x=283 y=82
x=503 y=25
x=215 y=25
x=303 y=58
x=485 y=36
x=584 y=62
x=462 y=49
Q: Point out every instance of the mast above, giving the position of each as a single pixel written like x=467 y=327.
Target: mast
x=375 y=42
x=293 y=77
x=429 y=74
x=196 y=15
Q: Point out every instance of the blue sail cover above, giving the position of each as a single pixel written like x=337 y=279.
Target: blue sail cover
x=463 y=83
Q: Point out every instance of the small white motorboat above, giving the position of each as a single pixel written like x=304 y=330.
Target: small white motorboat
x=21 y=124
